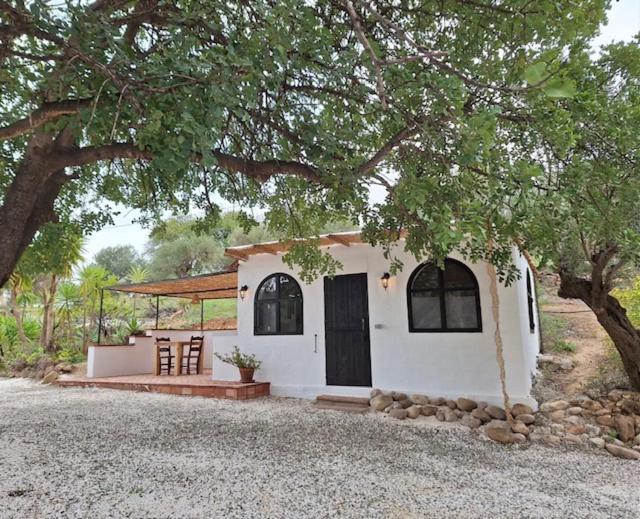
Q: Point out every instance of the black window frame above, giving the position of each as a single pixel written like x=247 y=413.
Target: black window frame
x=279 y=300
x=530 y=307
x=442 y=290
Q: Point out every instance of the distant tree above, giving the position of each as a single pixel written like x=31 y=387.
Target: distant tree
x=138 y=274
x=177 y=249
x=118 y=259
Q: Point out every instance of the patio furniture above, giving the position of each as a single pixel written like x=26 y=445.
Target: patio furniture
x=192 y=358
x=164 y=358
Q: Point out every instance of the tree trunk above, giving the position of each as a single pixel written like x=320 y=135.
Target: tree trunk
x=17 y=315
x=29 y=199
x=613 y=318
x=46 y=335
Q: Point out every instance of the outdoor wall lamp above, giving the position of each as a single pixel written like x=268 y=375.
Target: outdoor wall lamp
x=243 y=291
x=385 y=280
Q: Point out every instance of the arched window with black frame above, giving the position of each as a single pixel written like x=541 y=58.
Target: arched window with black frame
x=530 y=308
x=278 y=306
x=444 y=300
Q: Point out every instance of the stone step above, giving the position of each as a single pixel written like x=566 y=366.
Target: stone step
x=362 y=401
x=343 y=407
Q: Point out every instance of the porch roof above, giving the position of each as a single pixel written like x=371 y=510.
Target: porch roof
x=243 y=252
x=217 y=285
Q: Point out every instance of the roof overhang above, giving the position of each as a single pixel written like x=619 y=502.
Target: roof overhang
x=218 y=285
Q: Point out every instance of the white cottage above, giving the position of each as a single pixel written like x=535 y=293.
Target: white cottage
x=424 y=330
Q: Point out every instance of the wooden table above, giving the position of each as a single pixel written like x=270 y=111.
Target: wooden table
x=179 y=346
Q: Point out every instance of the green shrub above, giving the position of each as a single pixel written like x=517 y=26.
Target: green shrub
x=563 y=346
x=71 y=355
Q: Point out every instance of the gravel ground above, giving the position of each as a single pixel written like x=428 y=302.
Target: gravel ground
x=101 y=453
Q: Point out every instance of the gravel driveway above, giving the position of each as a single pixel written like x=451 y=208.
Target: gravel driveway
x=102 y=453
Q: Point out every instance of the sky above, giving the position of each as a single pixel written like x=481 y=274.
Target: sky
x=623 y=24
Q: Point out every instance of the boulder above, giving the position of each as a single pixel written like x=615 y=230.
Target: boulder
x=575 y=420
x=576 y=429
x=466 y=404
x=622 y=452
x=398 y=414
x=481 y=415
x=597 y=442
x=498 y=423
x=573 y=438
x=496 y=412
x=471 y=422
x=482 y=405
x=519 y=409
x=630 y=406
x=406 y=403
x=591 y=405
x=602 y=411
x=557 y=405
x=526 y=419
x=625 y=426
x=606 y=420
x=398 y=396
x=420 y=399
x=500 y=435
x=615 y=395
x=414 y=411
x=557 y=416
x=64 y=367
x=381 y=402
x=551 y=439
x=375 y=392
x=519 y=438
x=50 y=377
x=520 y=428
x=438 y=401
x=556 y=362
x=572 y=411
x=451 y=404
x=440 y=415
x=429 y=410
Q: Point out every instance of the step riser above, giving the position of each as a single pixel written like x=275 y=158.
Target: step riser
x=344 y=399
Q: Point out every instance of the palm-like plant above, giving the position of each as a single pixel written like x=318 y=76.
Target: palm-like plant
x=138 y=274
x=67 y=299
x=93 y=278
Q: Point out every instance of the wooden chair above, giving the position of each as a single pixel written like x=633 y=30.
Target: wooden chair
x=191 y=357
x=164 y=359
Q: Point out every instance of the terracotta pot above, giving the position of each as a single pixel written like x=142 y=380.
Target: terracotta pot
x=246 y=375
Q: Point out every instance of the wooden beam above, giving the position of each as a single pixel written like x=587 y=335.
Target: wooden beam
x=340 y=240
x=233 y=253
x=269 y=249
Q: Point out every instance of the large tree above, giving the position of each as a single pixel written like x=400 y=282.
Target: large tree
x=296 y=106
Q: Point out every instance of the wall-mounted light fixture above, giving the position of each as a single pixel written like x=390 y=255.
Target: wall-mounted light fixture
x=385 y=280
x=243 y=291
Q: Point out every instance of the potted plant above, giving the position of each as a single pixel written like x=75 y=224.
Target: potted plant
x=247 y=364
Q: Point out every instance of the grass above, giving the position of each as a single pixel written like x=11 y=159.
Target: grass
x=554 y=334
x=563 y=346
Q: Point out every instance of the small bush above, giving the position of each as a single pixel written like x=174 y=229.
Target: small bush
x=563 y=346
x=70 y=355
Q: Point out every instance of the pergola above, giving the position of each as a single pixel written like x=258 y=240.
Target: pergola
x=217 y=285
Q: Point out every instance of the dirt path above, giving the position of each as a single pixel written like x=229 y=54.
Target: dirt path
x=585 y=332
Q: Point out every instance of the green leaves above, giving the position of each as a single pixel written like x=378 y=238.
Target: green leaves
x=538 y=75
x=558 y=88
x=535 y=73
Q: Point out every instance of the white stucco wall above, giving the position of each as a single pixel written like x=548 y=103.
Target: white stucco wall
x=139 y=357
x=438 y=364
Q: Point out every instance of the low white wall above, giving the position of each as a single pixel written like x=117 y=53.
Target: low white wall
x=131 y=359
x=437 y=364
x=139 y=358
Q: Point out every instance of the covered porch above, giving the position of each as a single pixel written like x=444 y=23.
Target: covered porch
x=134 y=365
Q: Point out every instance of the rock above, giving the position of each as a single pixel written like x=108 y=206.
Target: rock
x=597 y=442
x=536 y=437
x=636 y=440
x=399 y=396
x=50 y=377
x=398 y=414
x=563 y=363
x=470 y=421
x=575 y=429
x=520 y=428
x=440 y=415
x=481 y=415
x=557 y=416
x=557 y=428
x=450 y=416
x=557 y=405
x=375 y=392
x=458 y=413
x=420 y=399
x=496 y=412
x=381 y=402
x=482 y=405
x=451 y=404
x=414 y=411
x=500 y=434
x=592 y=430
x=591 y=405
x=606 y=420
x=406 y=403
x=602 y=411
x=573 y=438
x=575 y=420
x=625 y=426
x=551 y=439
x=64 y=367
x=519 y=409
x=630 y=406
x=429 y=410
x=498 y=423
x=437 y=401
x=575 y=410
x=466 y=404
x=622 y=452
x=615 y=395
x=519 y=438
x=526 y=419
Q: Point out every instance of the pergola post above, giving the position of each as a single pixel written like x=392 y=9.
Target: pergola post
x=100 y=315
x=157 y=310
x=201 y=315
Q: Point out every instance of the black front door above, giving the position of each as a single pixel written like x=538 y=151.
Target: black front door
x=346 y=325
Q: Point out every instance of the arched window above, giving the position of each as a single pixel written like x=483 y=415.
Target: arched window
x=532 y=321
x=444 y=300
x=278 y=306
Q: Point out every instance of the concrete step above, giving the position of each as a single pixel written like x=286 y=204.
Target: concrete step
x=362 y=401
x=343 y=407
